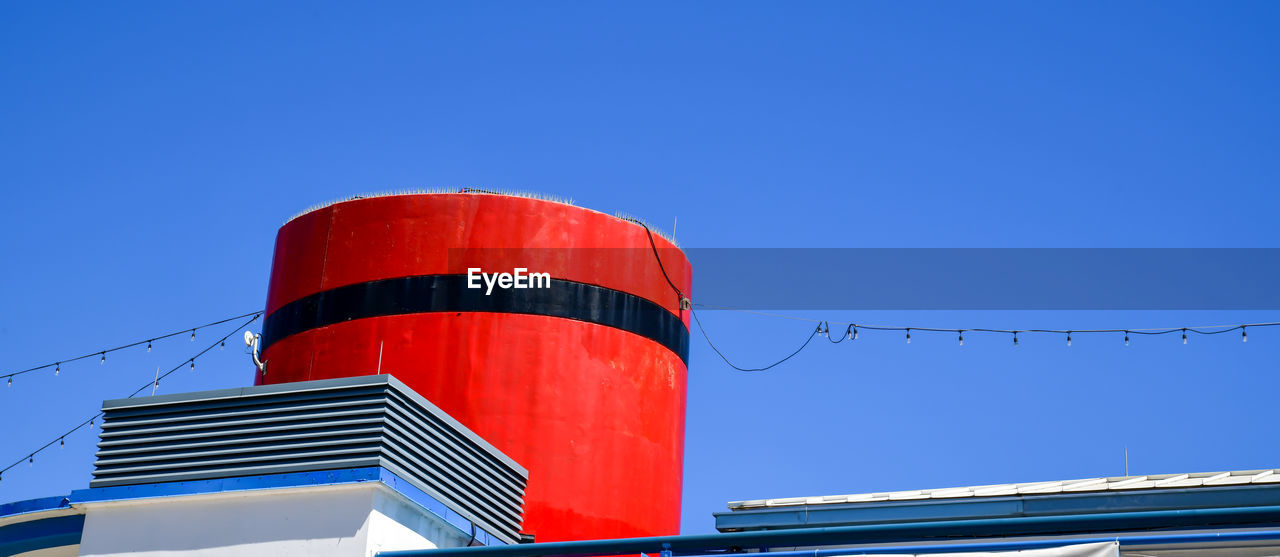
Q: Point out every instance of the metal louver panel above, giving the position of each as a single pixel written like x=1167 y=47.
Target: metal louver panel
x=332 y=424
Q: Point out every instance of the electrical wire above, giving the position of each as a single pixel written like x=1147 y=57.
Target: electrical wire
x=731 y=364
x=191 y=360
x=654 y=246
x=680 y=296
x=103 y=353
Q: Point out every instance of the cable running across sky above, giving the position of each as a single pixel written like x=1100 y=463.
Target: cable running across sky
x=102 y=354
x=189 y=362
x=823 y=328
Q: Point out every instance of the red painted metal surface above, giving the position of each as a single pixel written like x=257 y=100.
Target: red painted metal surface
x=595 y=413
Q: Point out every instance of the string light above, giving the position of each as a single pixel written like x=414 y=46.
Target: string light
x=102 y=354
x=193 y=335
x=61 y=439
x=680 y=294
x=1070 y=334
x=852 y=332
x=193 y=364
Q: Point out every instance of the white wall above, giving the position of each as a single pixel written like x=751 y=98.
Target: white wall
x=398 y=523
x=350 y=521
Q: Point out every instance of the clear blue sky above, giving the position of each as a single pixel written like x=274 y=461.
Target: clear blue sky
x=149 y=151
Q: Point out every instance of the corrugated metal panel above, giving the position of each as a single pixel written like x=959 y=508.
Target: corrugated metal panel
x=315 y=425
x=1120 y=483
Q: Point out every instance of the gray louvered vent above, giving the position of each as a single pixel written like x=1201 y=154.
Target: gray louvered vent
x=333 y=424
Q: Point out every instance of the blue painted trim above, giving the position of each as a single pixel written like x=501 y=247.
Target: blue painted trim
x=246 y=483
x=43 y=533
x=434 y=506
x=288 y=480
x=34 y=505
x=910 y=532
x=1124 y=541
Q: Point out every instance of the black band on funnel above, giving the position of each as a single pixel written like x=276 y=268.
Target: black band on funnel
x=445 y=293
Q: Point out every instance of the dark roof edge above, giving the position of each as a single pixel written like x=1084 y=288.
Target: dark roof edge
x=1046 y=505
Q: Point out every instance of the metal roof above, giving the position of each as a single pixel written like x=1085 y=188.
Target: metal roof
x=1119 y=483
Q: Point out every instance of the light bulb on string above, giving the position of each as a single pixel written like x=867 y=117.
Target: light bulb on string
x=1068 y=338
x=104 y=358
x=222 y=345
x=148 y=346
x=960 y=337
x=57 y=368
x=1015 y=338
x=62 y=442
x=908 y=335
x=31 y=460
x=1126 y=338
x=193 y=335
x=193 y=365
x=1184 y=336
x=1244 y=335
x=90 y=423
x=10 y=381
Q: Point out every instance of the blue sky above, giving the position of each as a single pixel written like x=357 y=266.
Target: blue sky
x=149 y=151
